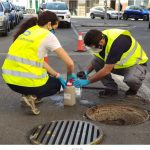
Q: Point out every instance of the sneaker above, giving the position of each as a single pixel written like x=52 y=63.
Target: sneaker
x=29 y=102
x=108 y=92
x=38 y=101
x=131 y=92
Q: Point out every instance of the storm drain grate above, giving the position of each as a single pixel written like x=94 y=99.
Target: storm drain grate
x=72 y=132
x=117 y=114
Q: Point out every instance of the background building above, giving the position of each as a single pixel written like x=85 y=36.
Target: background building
x=82 y=7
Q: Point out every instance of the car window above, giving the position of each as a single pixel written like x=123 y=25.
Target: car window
x=108 y=8
x=131 y=7
x=43 y=6
x=56 y=6
x=1 y=8
x=6 y=5
x=98 y=8
x=101 y=9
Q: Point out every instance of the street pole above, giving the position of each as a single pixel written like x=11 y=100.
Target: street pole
x=118 y=10
x=105 y=6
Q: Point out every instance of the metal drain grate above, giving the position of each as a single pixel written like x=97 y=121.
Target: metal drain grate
x=117 y=114
x=72 y=132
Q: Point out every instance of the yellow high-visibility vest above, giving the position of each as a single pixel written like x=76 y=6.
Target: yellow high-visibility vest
x=22 y=66
x=135 y=55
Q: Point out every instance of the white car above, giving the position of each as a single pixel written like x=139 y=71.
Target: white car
x=62 y=11
x=99 y=11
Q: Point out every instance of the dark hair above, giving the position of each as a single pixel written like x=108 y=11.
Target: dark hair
x=43 y=19
x=47 y=16
x=93 y=37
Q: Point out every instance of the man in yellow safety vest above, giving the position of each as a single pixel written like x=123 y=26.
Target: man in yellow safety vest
x=116 y=51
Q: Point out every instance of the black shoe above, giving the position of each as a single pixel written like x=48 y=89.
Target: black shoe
x=131 y=92
x=108 y=92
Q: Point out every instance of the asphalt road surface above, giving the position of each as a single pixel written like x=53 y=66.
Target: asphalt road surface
x=15 y=124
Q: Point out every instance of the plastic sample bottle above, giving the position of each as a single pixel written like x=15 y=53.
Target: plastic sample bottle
x=78 y=92
x=69 y=95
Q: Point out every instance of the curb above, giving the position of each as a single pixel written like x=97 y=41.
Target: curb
x=105 y=25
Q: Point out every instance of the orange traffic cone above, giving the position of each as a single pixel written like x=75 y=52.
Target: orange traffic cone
x=80 y=44
x=46 y=58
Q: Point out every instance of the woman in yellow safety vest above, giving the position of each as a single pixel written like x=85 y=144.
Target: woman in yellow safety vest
x=24 y=69
x=115 y=51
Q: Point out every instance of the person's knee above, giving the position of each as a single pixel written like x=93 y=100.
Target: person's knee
x=97 y=64
x=133 y=82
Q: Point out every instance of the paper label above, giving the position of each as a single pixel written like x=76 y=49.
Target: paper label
x=67 y=96
x=78 y=91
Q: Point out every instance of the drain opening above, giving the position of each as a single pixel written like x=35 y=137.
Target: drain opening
x=66 y=133
x=117 y=114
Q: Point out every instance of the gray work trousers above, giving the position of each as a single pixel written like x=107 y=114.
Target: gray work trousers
x=133 y=76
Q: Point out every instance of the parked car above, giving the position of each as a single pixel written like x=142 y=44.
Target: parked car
x=19 y=12
x=99 y=11
x=42 y=8
x=136 y=12
x=4 y=20
x=61 y=9
x=12 y=13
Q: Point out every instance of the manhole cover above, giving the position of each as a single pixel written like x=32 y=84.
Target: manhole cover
x=66 y=132
x=117 y=114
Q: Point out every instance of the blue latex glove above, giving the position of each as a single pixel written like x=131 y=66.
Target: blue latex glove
x=80 y=83
x=86 y=72
x=71 y=76
x=62 y=81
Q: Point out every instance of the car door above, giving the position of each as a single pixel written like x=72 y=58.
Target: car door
x=96 y=12
x=100 y=12
x=137 y=12
x=131 y=12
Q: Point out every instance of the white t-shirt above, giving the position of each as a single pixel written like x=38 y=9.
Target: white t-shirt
x=50 y=43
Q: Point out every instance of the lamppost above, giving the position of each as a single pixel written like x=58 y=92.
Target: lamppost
x=119 y=9
x=105 y=6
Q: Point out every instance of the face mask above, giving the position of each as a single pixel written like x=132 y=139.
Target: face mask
x=52 y=31
x=96 y=50
x=93 y=49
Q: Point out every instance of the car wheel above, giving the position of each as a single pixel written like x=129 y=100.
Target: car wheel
x=145 y=18
x=5 y=33
x=11 y=25
x=108 y=16
x=69 y=25
x=149 y=25
x=136 y=19
x=92 y=16
x=125 y=16
x=102 y=17
x=8 y=29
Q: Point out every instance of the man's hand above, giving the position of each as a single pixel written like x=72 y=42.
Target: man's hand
x=80 y=83
x=71 y=77
x=82 y=74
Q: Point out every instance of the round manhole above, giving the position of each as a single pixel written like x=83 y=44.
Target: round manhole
x=117 y=114
x=72 y=132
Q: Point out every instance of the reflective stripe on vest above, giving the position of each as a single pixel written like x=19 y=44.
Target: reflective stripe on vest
x=134 y=55
x=129 y=55
x=24 y=61
x=22 y=66
x=23 y=74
